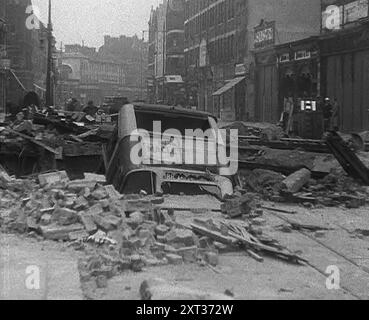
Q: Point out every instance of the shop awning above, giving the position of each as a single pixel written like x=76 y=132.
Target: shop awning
x=232 y=83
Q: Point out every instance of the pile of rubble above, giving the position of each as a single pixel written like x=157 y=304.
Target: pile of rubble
x=333 y=190
x=127 y=232
x=45 y=141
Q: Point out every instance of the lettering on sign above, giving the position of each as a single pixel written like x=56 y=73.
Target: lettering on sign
x=264 y=35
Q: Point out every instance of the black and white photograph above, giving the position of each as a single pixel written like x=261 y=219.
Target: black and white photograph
x=198 y=153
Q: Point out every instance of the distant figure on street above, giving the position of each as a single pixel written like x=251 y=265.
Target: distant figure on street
x=327 y=114
x=72 y=105
x=90 y=109
x=335 y=122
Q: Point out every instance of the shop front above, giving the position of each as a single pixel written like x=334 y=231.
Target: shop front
x=345 y=76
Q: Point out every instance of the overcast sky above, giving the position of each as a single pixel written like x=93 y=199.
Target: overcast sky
x=75 y=21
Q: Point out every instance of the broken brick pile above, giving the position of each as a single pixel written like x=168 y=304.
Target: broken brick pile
x=117 y=232
x=335 y=189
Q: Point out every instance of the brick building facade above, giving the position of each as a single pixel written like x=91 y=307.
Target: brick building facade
x=85 y=75
x=219 y=48
x=166 y=53
x=25 y=45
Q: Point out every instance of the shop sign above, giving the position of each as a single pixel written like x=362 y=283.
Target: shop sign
x=240 y=69
x=264 y=35
x=203 y=53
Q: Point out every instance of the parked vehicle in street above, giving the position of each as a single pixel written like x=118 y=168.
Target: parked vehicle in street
x=153 y=174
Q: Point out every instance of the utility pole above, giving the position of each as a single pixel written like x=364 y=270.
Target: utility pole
x=49 y=80
x=3 y=55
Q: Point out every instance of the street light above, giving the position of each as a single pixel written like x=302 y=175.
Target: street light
x=49 y=88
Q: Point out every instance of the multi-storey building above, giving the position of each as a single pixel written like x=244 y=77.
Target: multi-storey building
x=210 y=49
x=166 y=53
x=132 y=52
x=219 y=48
x=23 y=49
x=344 y=50
x=86 y=76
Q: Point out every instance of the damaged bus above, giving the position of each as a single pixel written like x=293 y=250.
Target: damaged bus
x=168 y=163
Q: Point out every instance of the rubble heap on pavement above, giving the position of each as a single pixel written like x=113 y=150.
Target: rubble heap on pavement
x=335 y=189
x=49 y=140
x=126 y=232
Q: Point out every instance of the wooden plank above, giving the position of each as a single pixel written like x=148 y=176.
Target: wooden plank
x=32 y=140
x=255 y=256
x=217 y=236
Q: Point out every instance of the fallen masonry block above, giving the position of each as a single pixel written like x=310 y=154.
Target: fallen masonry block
x=135 y=219
x=138 y=205
x=4 y=176
x=101 y=281
x=55 y=232
x=32 y=224
x=81 y=203
x=167 y=219
x=52 y=178
x=294 y=182
x=161 y=230
x=108 y=223
x=136 y=263
x=78 y=235
x=189 y=254
x=258 y=221
x=20 y=225
x=95 y=209
x=161 y=239
x=174 y=259
x=170 y=249
x=107 y=271
x=105 y=203
x=144 y=234
x=236 y=207
x=204 y=242
x=88 y=222
x=112 y=192
x=181 y=236
x=355 y=202
x=212 y=258
x=159 y=289
x=65 y=217
x=95 y=177
x=81 y=185
x=99 y=194
x=46 y=219
x=159 y=246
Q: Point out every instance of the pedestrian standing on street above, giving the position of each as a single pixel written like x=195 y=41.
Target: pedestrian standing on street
x=335 y=123
x=327 y=114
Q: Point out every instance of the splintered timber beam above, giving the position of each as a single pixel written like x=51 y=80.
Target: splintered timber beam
x=32 y=140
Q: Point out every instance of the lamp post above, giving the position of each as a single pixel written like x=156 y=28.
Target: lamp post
x=49 y=80
x=3 y=56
